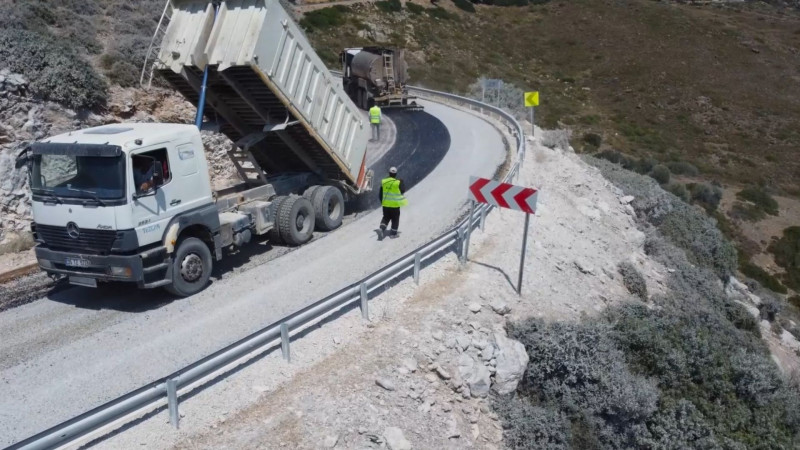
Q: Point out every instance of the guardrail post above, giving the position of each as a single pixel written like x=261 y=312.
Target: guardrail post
x=285 y=342
x=460 y=245
x=172 y=402
x=417 y=261
x=469 y=231
x=364 y=302
x=483 y=217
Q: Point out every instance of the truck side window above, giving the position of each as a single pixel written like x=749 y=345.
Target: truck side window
x=144 y=161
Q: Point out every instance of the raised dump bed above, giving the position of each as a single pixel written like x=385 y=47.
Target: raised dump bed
x=267 y=89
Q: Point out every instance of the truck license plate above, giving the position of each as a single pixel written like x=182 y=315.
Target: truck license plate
x=77 y=262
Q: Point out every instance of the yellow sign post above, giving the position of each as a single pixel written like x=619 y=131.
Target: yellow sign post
x=532 y=101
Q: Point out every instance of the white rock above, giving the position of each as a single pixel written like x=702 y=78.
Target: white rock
x=584 y=267
x=475 y=374
x=750 y=308
x=385 y=383
x=500 y=307
x=475 y=307
x=627 y=199
x=463 y=342
x=331 y=441
x=410 y=364
x=443 y=374
x=480 y=344
x=437 y=335
x=395 y=439
x=512 y=360
x=452 y=428
x=788 y=340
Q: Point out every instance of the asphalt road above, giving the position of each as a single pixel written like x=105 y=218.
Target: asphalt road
x=78 y=348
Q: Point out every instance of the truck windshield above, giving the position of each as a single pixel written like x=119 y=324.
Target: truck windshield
x=84 y=177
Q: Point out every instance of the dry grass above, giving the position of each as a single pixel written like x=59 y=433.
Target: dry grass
x=713 y=86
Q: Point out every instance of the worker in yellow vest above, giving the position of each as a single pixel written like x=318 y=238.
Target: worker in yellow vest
x=392 y=199
x=375 y=122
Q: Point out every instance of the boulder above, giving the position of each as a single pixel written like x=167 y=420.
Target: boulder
x=512 y=360
x=475 y=375
x=395 y=439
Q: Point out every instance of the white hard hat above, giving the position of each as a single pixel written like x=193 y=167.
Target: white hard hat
x=393 y=170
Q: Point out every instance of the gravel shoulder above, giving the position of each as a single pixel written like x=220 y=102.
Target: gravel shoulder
x=79 y=348
x=352 y=383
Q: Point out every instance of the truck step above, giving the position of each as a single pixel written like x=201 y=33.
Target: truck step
x=156 y=284
x=156 y=268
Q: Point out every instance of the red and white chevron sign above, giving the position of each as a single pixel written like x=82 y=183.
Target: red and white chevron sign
x=503 y=195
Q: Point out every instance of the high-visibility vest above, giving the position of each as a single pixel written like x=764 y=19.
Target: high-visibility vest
x=374 y=115
x=392 y=197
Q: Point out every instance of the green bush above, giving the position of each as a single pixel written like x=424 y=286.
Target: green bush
x=794 y=301
x=633 y=279
x=747 y=212
x=414 y=8
x=763 y=277
x=760 y=198
x=439 y=13
x=533 y=427
x=321 y=19
x=688 y=371
x=678 y=190
x=661 y=174
x=786 y=251
x=682 y=168
x=389 y=6
x=684 y=225
x=593 y=139
x=55 y=72
x=707 y=195
x=465 y=5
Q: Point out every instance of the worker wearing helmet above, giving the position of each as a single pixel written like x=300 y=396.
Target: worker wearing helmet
x=375 y=122
x=392 y=199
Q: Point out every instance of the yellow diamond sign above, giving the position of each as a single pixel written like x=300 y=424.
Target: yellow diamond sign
x=532 y=99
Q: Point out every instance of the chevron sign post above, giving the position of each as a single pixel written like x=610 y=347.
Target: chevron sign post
x=503 y=195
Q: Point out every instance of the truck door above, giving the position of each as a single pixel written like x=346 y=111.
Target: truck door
x=152 y=211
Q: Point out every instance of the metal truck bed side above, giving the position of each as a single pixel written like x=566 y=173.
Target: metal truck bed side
x=264 y=77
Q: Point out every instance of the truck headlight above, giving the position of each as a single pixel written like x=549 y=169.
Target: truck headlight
x=125 y=272
x=45 y=264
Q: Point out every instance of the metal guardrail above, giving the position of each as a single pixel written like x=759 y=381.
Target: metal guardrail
x=153 y=394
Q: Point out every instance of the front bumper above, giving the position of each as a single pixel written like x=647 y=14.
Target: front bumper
x=99 y=266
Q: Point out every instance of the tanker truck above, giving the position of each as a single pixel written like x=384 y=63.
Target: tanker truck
x=377 y=75
x=133 y=202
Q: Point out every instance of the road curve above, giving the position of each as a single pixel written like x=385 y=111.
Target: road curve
x=79 y=348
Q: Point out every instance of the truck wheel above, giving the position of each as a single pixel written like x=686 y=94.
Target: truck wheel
x=296 y=220
x=191 y=268
x=274 y=235
x=309 y=193
x=328 y=208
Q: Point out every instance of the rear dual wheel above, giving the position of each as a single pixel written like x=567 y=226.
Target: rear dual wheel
x=328 y=203
x=294 y=220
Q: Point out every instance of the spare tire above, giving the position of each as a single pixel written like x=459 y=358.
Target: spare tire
x=328 y=204
x=296 y=220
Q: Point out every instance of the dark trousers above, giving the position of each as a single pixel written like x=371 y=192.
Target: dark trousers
x=390 y=215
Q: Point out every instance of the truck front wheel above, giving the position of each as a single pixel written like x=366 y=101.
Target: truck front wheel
x=191 y=268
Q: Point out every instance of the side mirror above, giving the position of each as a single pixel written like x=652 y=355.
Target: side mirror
x=23 y=159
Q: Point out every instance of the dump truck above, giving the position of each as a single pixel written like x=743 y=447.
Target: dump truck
x=377 y=75
x=133 y=202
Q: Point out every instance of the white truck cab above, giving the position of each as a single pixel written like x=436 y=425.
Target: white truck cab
x=109 y=203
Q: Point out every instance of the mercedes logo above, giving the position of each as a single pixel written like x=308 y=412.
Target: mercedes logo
x=73 y=231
